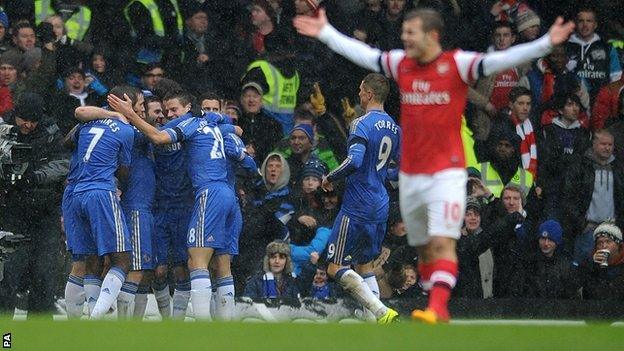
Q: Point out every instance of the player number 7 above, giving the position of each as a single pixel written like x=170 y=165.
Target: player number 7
x=97 y=132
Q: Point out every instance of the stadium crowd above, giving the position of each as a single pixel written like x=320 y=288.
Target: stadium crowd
x=544 y=141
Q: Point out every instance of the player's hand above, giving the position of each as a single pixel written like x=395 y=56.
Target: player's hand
x=560 y=32
x=314 y=257
x=348 y=112
x=202 y=58
x=238 y=130
x=308 y=221
x=327 y=185
x=318 y=100
x=311 y=26
x=122 y=106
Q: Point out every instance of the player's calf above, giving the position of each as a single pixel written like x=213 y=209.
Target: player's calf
x=111 y=285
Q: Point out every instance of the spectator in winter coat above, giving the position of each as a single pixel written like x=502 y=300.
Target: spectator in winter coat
x=276 y=280
x=592 y=193
x=10 y=72
x=550 y=275
x=617 y=128
x=606 y=105
x=75 y=93
x=604 y=277
x=558 y=144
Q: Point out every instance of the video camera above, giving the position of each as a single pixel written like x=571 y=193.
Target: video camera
x=14 y=156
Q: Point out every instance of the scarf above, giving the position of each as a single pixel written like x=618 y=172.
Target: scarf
x=270 y=286
x=548 y=84
x=528 y=147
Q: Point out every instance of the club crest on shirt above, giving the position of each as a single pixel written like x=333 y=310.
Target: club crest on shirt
x=443 y=67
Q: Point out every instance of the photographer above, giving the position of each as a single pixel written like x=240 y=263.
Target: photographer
x=31 y=193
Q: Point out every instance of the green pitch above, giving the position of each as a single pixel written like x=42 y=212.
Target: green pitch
x=148 y=336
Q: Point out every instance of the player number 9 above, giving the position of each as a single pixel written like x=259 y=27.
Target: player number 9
x=384 y=152
x=331 y=249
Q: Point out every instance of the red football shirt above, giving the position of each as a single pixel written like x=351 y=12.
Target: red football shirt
x=433 y=98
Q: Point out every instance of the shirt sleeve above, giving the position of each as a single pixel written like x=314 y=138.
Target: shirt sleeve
x=473 y=65
x=354 y=50
x=389 y=63
x=615 y=69
x=183 y=130
x=234 y=147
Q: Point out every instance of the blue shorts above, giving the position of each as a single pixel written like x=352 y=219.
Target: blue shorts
x=100 y=226
x=170 y=227
x=235 y=230
x=353 y=241
x=212 y=216
x=141 y=228
x=69 y=221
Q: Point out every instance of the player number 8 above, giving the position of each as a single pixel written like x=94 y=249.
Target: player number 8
x=191 y=236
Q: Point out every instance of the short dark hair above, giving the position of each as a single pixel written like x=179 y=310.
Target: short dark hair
x=431 y=19
x=588 y=9
x=166 y=86
x=304 y=114
x=562 y=100
x=504 y=24
x=150 y=67
x=121 y=90
x=182 y=96
x=378 y=84
x=209 y=96
x=517 y=92
x=21 y=25
x=152 y=98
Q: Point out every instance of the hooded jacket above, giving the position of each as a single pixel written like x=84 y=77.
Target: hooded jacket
x=595 y=61
x=578 y=187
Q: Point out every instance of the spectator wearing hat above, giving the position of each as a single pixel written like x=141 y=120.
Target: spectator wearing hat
x=10 y=74
x=475 y=257
x=603 y=278
x=301 y=144
x=551 y=274
x=263 y=22
x=75 y=93
x=527 y=25
x=592 y=194
x=262 y=132
x=34 y=199
x=4 y=30
x=276 y=280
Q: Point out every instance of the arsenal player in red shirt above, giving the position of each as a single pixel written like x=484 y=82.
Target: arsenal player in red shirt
x=433 y=84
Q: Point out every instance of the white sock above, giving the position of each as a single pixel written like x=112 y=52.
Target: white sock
x=111 y=285
x=140 y=302
x=354 y=284
x=163 y=299
x=201 y=293
x=74 y=296
x=371 y=281
x=125 y=300
x=92 y=286
x=224 y=309
x=213 y=302
x=181 y=296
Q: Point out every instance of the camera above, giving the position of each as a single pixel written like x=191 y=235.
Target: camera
x=14 y=155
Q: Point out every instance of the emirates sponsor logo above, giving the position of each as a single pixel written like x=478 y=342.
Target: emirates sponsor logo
x=429 y=98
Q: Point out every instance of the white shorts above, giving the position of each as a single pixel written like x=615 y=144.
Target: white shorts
x=433 y=204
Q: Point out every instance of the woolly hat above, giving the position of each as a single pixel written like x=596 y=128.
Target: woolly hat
x=527 y=19
x=609 y=230
x=314 y=168
x=280 y=247
x=474 y=204
x=14 y=59
x=29 y=107
x=4 y=19
x=306 y=128
x=551 y=229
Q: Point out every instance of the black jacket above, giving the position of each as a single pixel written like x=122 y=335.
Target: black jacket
x=603 y=283
x=551 y=277
x=578 y=187
x=261 y=130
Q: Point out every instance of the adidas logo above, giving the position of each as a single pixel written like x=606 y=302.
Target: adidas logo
x=210 y=238
x=105 y=290
x=92 y=299
x=229 y=294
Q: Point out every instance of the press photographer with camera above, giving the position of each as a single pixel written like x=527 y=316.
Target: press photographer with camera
x=31 y=191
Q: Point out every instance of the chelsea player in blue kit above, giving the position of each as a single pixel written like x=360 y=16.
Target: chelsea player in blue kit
x=100 y=228
x=214 y=198
x=360 y=226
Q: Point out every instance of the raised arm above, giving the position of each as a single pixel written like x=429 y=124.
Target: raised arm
x=91 y=113
x=354 y=50
x=125 y=108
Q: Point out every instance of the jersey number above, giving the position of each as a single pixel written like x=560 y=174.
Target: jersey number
x=384 y=152
x=217 y=148
x=97 y=134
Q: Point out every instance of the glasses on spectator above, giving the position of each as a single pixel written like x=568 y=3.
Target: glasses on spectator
x=154 y=75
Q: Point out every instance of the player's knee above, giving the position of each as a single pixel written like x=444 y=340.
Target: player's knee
x=440 y=247
x=180 y=272
x=121 y=260
x=79 y=268
x=160 y=273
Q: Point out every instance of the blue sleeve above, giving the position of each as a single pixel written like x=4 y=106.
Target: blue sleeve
x=249 y=165
x=127 y=142
x=218 y=118
x=226 y=129
x=318 y=244
x=98 y=87
x=183 y=130
x=234 y=149
x=354 y=160
x=615 y=69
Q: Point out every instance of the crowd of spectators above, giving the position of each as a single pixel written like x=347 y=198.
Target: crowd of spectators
x=546 y=175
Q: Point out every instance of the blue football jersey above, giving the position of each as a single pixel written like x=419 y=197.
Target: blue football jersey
x=204 y=147
x=103 y=145
x=139 y=192
x=173 y=184
x=237 y=157
x=365 y=194
x=74 y=164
